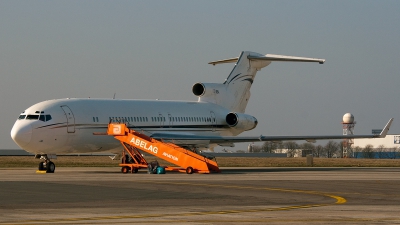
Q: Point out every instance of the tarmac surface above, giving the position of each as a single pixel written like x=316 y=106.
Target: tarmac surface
x=235 y=196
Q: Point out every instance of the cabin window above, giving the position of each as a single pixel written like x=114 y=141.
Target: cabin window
x=94 y=120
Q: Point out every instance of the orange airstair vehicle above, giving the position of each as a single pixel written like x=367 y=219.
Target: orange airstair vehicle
x=132 y=140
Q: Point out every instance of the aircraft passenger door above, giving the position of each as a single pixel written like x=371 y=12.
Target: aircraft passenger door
x=161 y=118
x=213 y=121
x=70 y=119
x=170 y=120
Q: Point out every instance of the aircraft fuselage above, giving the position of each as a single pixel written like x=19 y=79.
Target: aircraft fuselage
x=79 y=125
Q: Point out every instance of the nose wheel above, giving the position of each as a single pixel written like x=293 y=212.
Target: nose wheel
x=46 y=166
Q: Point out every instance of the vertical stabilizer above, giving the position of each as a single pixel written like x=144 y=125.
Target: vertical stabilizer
x=234 y=93
x=240 y=79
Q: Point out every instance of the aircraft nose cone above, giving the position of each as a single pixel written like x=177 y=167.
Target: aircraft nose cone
x=21 y=134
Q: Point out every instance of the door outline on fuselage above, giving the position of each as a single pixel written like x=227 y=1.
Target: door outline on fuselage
x=213 y=121
x=170 y=120
x=70 y=118
x=161 y=118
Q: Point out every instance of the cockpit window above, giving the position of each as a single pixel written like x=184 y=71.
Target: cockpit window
x=32 y=117
x=41 y=117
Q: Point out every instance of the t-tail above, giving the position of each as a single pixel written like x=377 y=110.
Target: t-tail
x=234 y=93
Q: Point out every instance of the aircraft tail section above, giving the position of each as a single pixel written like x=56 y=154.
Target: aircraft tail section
x=234 y=93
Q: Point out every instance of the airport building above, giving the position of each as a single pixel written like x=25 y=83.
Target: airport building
x=383 y=148
x=391 y=141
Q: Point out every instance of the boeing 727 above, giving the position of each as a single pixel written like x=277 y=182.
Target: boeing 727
x=76 y=125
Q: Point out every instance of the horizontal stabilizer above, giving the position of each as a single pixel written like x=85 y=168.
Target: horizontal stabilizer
x=231 y=60
x=271 y=57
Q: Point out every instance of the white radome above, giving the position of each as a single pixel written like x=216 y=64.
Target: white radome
x=348 y=118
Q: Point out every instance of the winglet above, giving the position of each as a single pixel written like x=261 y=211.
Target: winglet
x=386 y=129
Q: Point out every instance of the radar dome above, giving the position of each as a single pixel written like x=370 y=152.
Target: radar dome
x=348 y=118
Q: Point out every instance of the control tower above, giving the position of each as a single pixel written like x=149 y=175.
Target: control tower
x=348 y=129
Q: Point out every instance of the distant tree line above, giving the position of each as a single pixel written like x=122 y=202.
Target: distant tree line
x=329 y=150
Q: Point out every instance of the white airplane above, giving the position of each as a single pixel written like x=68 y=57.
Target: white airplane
x=77 y=125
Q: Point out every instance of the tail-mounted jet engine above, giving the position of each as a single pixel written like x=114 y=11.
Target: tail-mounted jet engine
x=241 y=121
x=207 y=89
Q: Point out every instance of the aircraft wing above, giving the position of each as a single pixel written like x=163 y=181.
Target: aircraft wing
x=235 y=139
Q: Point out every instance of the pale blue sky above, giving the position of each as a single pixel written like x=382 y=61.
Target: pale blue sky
x=159 y=49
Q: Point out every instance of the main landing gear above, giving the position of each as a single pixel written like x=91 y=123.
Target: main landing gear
x=46 y=166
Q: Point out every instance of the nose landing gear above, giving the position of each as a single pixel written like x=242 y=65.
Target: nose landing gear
x=47 y=166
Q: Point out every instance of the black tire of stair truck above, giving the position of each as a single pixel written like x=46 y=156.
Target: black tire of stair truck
x=125 y=169
x=189 y=170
